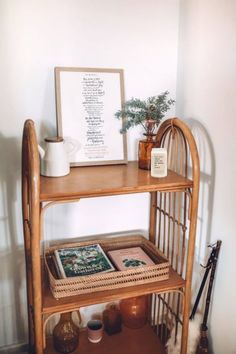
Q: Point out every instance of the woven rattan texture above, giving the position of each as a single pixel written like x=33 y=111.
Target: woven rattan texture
x=113 y=280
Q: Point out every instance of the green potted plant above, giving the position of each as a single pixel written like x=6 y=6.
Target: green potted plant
x=147 y=113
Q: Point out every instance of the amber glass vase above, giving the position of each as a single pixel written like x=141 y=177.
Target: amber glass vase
x=144 y=151
x=134 y=311
x=66 y=334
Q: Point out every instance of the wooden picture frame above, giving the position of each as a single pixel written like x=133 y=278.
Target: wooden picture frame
x=86 y=102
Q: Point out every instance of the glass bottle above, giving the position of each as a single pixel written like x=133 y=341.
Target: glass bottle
x=66 y=334
x=145 y=146
x=134 y=311
x=112 y=319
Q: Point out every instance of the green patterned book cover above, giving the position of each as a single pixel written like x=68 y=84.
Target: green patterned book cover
x=80 y=261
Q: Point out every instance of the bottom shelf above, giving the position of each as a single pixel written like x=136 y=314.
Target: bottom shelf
x=132 y=341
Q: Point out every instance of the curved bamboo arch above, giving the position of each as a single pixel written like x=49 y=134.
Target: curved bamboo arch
x=31 y=212
x=182 y=151
x=175 y=129
x=177 y=125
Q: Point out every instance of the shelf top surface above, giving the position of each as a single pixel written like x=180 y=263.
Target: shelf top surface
x=94 y=181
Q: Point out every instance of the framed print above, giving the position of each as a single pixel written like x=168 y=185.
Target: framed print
x=86 y=101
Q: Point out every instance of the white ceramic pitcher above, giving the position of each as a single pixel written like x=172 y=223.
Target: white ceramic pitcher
x=55 y=158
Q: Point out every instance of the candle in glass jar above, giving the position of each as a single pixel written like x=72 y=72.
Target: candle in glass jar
x=159 y=162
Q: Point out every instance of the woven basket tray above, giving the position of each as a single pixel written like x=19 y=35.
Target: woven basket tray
x=112 y=280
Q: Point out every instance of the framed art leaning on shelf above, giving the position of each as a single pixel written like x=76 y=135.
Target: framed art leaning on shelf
x=86 y=101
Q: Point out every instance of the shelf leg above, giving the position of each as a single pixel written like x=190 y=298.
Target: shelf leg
x=186 y=311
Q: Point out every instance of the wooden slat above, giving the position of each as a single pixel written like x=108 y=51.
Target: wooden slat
x=94 y=181
x=138 y=341
x=52 y=305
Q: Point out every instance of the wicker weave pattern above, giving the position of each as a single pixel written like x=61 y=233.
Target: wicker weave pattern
x=108 y=281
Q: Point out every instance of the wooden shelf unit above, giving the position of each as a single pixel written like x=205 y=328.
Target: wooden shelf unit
x=173 y=215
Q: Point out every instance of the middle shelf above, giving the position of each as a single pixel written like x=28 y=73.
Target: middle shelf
x=52 y=305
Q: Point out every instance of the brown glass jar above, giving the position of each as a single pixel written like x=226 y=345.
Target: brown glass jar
x=112 y=319
x=66 y=334
x=144 y=151
x=134 y=311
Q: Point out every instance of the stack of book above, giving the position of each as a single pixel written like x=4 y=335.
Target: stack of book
x=91 y=259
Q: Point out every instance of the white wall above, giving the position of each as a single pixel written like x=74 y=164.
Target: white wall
x=138 y=36
x=206 y=99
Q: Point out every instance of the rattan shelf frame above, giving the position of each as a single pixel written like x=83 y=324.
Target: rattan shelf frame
x=168 y=196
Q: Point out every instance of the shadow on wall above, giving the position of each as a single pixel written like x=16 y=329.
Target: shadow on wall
x=207 y=185
x=13 y=328
x=206 y=202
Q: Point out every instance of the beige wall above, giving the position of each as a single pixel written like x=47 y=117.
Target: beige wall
x=206 y=99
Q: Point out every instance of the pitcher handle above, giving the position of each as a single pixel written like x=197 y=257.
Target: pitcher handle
x=71 y=145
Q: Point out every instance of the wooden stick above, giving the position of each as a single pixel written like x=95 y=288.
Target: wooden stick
x=203 y=347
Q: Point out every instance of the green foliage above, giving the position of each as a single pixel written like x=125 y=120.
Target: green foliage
x=138 y=112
